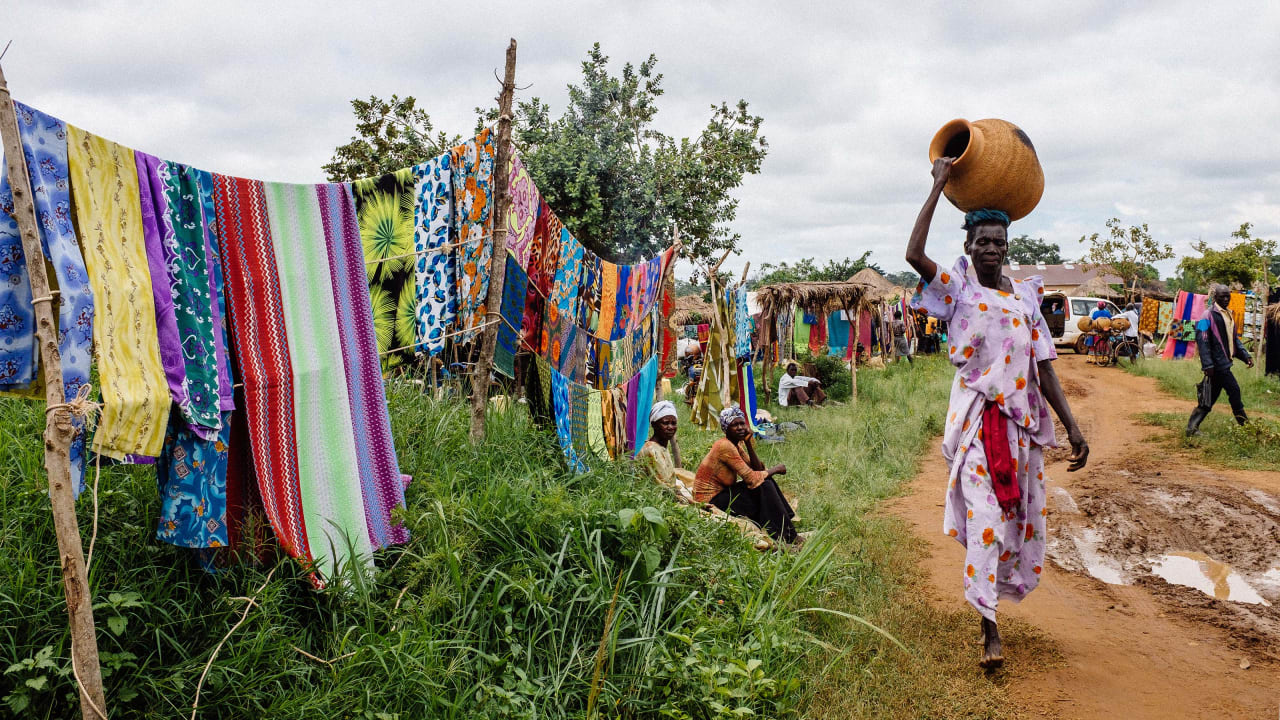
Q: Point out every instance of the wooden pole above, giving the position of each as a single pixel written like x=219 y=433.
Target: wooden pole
x=498 y=261
x=58 y=429
x=854 y=332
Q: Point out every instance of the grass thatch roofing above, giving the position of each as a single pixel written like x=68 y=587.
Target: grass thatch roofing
x=1096 y=287
x=874 y=280
x=814 y=296
x=690 y=310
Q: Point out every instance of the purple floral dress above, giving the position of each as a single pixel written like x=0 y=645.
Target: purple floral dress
x=995 y=340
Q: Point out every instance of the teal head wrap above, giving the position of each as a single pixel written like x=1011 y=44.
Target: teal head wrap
x=985 y=215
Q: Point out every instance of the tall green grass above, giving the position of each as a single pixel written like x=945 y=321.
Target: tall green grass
x=1179 y=378
x=497 y=607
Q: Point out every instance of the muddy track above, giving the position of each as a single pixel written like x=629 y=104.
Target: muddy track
x=1134 y=644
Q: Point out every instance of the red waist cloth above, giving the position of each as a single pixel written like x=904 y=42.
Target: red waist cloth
x=1000 y=463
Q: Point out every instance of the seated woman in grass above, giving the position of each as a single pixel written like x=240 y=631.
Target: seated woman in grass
x=655 y=455
x=733 y=479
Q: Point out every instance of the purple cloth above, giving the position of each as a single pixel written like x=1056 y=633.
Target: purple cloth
x=157 y=234
x=633 y=401
x=380 y=480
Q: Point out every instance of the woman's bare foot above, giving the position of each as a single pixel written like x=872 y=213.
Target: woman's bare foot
x=992 y=651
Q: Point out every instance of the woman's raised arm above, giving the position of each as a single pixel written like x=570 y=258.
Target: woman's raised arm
x=927 y=268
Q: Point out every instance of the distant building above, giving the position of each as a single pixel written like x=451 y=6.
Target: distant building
x=1060 y=278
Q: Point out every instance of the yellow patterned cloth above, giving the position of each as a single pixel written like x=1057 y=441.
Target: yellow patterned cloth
x=135 y=394
x=1235 y=306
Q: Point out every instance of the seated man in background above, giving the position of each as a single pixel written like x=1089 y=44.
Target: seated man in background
x=795 y=389
x=655 y=455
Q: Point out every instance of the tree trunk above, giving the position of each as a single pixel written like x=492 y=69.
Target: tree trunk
x=58 y=430
x=498 y=260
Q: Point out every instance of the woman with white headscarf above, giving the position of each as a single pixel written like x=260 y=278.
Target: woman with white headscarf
x=735 y=480
x=655 y=455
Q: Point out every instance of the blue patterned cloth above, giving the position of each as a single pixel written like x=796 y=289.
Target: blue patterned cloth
x=514 y=288
x=562 y=409
x=193 y=487
x=44 y=143
x=436 y=272
x=644 y=402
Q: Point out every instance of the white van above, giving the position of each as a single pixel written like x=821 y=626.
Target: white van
x=1062 y=313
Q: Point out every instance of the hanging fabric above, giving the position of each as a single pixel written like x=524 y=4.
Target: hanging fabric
x=568 y=276
x=622 y=303
x=193 y=487
x=608 y=300
x=646 y=385
x=1149 y=319
x=435 y=267
x=818 y=334
x=382 y=485
x=599 y=363
x=562 y=409
x=608 y=425
x=590 y=290
x=44 y=144
x=332 y=498
x=473 y=203
x=580 y=396
x=262 y=355
x=514 y=289
x=523 y=215
x=595 y=425
x=135 y=394
x=385 y=206
x=667 y=364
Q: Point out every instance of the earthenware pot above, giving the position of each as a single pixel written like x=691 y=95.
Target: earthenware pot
x=996 y=166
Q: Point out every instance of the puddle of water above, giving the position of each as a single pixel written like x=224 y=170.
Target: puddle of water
x=1064 y=501
x=1211 y=577
x=1271 y=578
x=1097 y=564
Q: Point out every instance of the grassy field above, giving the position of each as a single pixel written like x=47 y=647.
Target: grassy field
x=1255 y=446
x=498 y=605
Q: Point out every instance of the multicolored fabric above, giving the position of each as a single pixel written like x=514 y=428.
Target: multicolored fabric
x=642 y=340
x=218 y=308
x=380 y=479
x=193 y=487
x=385 y=206
x=608 y=306
x=44 y=143
x=157 y=233
x=564 y=291
x=261 y=351
x=473 y=206
x=544 y=381
x=546 y=236
x=668 y=335
x=514 y=289
x=580 y=395
x=1164 y=317
x=996 y=340
x=742 y=324
x=1149 y=319
x=1187 y=307
x=621 y=361
x=523 y=216
x=135 y=395
x=595 y=425
x=19 y=357
x=590 y=288
x=628 y=436
x=599 y=361
x=622 y=303
x=607 y=424
x=435 y=267
x=332 y=495
x=646 y=385
x=562 y=409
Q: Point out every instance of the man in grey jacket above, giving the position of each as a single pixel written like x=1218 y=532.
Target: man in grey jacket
x=1217 y=344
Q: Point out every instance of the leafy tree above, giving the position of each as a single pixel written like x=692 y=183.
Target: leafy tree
x=1126 y=252
x=1029 y=250
x=808 y=270
x=1243 y=263
x=390 y=135
x=619 y=183
x=905 y=278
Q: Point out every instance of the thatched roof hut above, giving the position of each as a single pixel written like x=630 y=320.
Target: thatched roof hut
x=690 y=310
x=1097 y=287
x=880 y=286
x=813 y=296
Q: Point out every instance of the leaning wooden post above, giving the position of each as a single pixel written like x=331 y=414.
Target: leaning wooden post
x=855 y=321
x=498 y=261
x=58 y=430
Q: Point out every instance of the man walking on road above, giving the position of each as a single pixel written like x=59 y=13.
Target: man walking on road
x=1217 y=344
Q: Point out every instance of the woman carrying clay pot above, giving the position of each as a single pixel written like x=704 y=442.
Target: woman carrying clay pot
x=998 y=419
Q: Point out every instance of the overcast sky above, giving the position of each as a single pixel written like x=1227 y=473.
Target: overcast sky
x=1166 y=113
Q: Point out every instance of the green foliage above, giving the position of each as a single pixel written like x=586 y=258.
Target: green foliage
x=1028 y=250
x=904 y=278
x=837 y=382
x=808 y=270
x=1248 y=260
x=390 y=135
x=1126 y=252
x=619 y=183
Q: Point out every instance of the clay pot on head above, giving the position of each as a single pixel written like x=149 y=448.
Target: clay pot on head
x=996 y=166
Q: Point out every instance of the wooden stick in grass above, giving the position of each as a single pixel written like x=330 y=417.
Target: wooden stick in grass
x=58 y=428
x=498 y=257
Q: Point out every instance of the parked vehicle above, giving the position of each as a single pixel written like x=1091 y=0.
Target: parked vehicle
x=1062 y=312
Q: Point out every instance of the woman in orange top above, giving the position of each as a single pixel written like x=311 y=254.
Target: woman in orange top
x=735 y=480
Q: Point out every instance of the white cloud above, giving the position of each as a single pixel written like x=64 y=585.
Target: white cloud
x=1161 y=113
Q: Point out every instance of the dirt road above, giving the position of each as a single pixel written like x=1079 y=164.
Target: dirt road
x=1135 y=645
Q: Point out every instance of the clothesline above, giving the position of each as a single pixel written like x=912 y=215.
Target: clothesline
x=450 y=246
